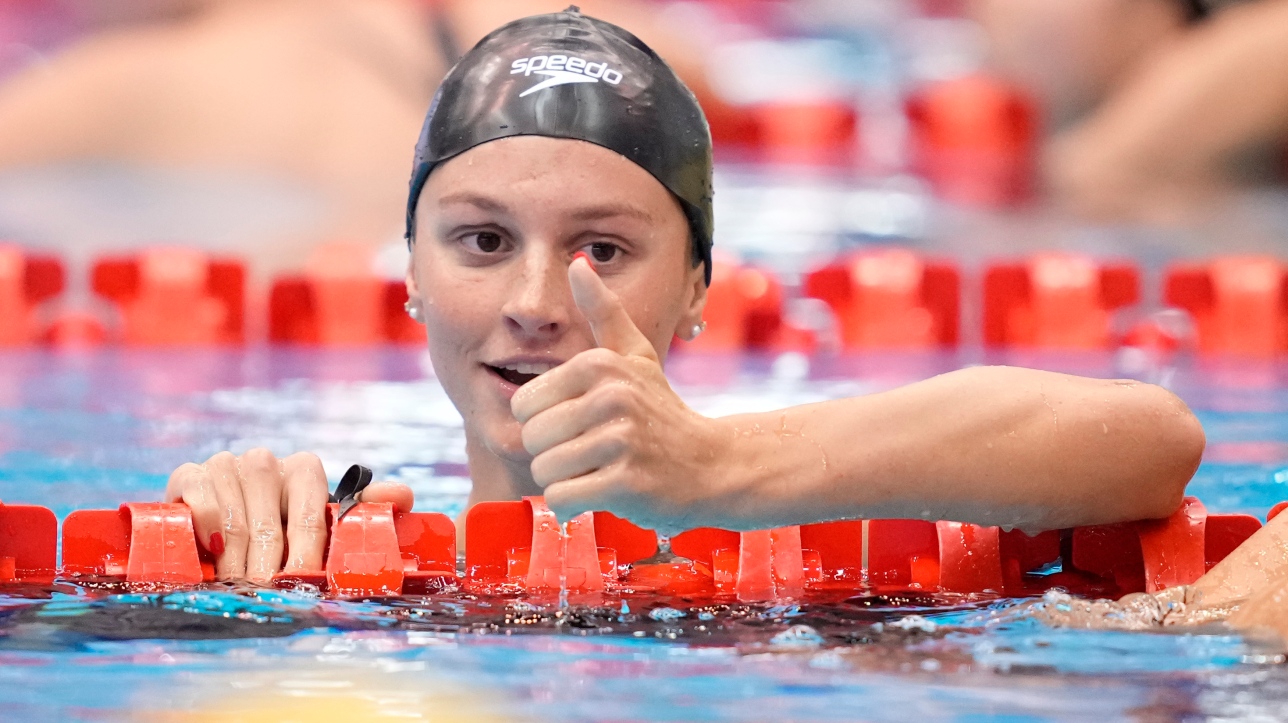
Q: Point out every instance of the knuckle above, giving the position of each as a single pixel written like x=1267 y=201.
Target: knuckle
x=620 y=431
x=601 y=360
x=307 y=525
x=235 y=530
x=614 y=440
x=187 y=473
x=304 y=472
x=259 y=458
x=615 y=397
x=222 y=458
x=303 y=459
x=267 y=534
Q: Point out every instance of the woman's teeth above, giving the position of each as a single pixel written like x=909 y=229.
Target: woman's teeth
x=533 y=369
x=520 y=374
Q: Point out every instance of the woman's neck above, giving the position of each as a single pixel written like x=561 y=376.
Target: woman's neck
x=495 y=478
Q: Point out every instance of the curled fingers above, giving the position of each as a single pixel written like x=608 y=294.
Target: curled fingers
x=230 y=563
x=304 y=497
x=580 y=456
x=261 y=477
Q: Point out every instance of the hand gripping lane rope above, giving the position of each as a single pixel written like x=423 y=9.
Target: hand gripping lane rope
x=374 y=550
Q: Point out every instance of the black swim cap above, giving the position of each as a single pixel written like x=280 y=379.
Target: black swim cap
x=566 y=75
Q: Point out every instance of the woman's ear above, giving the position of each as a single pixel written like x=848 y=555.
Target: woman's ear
x=691 y=321
x=414 y=306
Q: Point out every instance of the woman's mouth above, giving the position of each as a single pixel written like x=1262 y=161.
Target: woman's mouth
x=520 y=373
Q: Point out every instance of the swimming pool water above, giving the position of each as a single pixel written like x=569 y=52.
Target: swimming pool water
x=96 y=429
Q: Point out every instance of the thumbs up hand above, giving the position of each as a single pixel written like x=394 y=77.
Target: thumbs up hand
x=606 y=430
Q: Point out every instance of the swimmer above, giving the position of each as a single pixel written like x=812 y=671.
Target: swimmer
x=560 y=227
x=1248 y=590
x=1160 y=108
x=308 y=103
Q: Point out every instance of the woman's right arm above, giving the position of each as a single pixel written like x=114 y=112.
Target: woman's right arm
x=249 y=510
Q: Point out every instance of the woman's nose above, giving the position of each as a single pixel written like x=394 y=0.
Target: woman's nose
x=538 y=306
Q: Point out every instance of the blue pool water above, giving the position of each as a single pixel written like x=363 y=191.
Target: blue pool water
x=94 y=430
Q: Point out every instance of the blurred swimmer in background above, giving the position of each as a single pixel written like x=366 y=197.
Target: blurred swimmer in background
x=561 y=225
x=1160 y=108
x=258 y=126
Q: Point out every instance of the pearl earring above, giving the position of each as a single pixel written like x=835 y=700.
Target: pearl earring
x=697 y=329
x=413 y=310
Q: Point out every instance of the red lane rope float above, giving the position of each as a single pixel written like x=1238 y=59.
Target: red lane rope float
x=142 y=542
x=338 y=300
x=744 y=312
x=372 y=550
x=1056 y=301
x=890 y=298
x=1150 y=555
x=26 y=280
x=1239 y=303
x=974 y=138
x=175 y=296
x=376 y=550
x=521 y=543
x=28 y=543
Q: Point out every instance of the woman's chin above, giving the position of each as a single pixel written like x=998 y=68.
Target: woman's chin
x=506 y=442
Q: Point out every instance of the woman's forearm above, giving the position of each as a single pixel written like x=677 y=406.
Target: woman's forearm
x=989 y=445
x=1256 y=564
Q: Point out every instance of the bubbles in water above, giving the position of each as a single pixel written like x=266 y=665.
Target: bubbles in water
x=914 y=622
x=797 y=636
x=666 y=614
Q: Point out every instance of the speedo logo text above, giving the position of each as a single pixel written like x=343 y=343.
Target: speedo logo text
x=563 y=69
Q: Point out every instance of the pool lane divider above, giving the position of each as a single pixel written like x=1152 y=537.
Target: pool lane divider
x=28 y=544
x=26 y=281
x=371 y=551
x=519 y=547
x=881 y=298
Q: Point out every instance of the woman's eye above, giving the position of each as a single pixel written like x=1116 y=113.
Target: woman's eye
x=483 y=241
x=603 y=252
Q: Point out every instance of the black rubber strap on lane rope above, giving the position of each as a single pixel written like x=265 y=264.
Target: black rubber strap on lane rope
x=351 y=485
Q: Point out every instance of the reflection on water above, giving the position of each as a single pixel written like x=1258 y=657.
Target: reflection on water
x=267 y=654
x=92 y=431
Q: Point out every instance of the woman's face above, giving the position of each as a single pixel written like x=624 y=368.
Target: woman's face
x=496 y=229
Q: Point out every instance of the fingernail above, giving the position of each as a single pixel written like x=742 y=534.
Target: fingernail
x=217 y=544
x=583 y=255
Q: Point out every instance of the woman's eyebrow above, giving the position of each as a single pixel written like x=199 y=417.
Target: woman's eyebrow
x=609 y=210
x=473 y=199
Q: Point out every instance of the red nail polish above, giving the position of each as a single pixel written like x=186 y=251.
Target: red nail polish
x=582 y=255
x=216 y=544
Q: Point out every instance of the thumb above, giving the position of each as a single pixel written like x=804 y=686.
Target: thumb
x=400 y=495
x=609 y=322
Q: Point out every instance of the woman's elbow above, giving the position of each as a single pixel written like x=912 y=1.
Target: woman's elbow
x=1178 y=451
